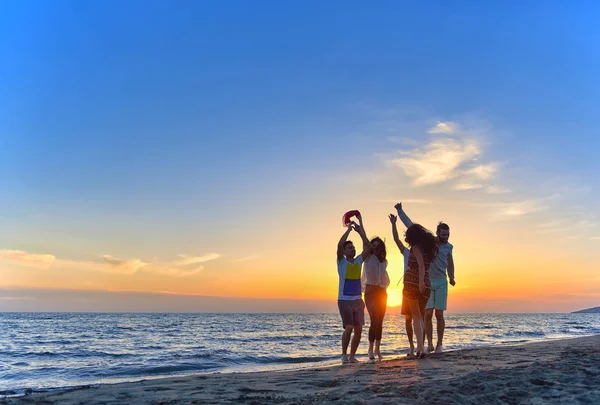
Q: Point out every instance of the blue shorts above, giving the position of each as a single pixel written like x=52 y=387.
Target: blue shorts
x=438 y=299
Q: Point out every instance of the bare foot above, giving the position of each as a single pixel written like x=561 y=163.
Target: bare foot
x=353 y=360
x=439 y=349
x=430 y=349
x=371 y=356
x=378 y=355
x=345 y=359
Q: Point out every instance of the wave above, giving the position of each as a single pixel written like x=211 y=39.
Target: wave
x=520 y=333
x=106 y=348
x=262 y=360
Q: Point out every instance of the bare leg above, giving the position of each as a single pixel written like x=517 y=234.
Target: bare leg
x=429 y=329
x=377 y=350
x=355 y=343
x=409 y=333
x=370 y=303
x=441 y=325
x=417 y=324
x=345 y=342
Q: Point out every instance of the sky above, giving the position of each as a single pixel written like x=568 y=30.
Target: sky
x=195 y=151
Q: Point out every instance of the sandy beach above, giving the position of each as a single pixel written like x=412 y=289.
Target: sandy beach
x=560 y=371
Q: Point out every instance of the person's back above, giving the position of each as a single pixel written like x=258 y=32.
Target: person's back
x=411 y=277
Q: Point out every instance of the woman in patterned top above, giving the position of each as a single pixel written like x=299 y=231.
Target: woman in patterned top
x=416 y=281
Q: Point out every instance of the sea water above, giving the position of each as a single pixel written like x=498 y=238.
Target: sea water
x=56 y=350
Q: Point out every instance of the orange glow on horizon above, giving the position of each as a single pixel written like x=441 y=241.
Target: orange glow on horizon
x=394 y=298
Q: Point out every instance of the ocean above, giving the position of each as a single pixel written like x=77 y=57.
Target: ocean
x=41 y=351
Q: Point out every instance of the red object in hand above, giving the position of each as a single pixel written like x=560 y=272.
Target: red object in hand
x=348 y=215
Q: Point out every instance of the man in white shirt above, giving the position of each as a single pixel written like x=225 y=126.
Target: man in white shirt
x=440 y=270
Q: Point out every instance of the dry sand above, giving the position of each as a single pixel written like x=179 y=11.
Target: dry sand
x=561 y=371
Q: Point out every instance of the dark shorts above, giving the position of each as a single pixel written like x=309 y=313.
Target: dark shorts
x=406 y=308
x=352 y=312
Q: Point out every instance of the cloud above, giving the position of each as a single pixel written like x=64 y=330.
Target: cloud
x=185 y=266
x=565 y=225
x=25 y=259
x=468 y=186
x=483 y=172
x=175 y=271
x=189 y=260
x=497 y=190
x=439 y=161
x=246 y=259
x=124 y=266
x=444 y=128
x=552 y=224
x=406 y=201
x=518 y=209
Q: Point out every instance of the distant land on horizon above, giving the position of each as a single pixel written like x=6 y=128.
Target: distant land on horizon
x=594 y=310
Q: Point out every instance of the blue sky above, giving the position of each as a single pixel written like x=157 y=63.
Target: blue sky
x=147 y=128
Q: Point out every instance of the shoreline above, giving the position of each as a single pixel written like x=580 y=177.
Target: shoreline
x=254 y=369
x=497 y=372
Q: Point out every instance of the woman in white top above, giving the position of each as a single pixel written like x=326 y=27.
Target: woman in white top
x=375 y=281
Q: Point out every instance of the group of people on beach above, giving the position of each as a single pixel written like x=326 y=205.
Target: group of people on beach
x=428 y=268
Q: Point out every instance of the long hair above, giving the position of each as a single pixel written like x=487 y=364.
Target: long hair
x=417 y=235
x=380 y=253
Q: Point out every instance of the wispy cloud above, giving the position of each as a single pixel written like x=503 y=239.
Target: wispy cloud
x=407 y=201
x=184 y=266
x=483 y=172
x=468 y=186
x=552 y=224
x=565 y=225
x=185 y=260
x=440 y=161
x=513 y=210
x=497 y=190
x=246 y=259
x=124 y=266
x=22 y=258
x=452 y=153
x=444 y=128
x=174 y=271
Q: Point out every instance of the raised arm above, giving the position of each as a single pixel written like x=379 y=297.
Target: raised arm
x=451 y=269
x=403 y=217
x=419 y=256
x=367 y=247
x=343 y=239
x=399 y=243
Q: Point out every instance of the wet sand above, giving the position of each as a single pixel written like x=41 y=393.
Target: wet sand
x=560 y=371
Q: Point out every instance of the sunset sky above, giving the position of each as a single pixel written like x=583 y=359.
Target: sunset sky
x=211 y=148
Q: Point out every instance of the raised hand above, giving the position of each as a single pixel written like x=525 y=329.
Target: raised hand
x=358 y=228
x=398 y=206
x=350 y=227
x=393 y=218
